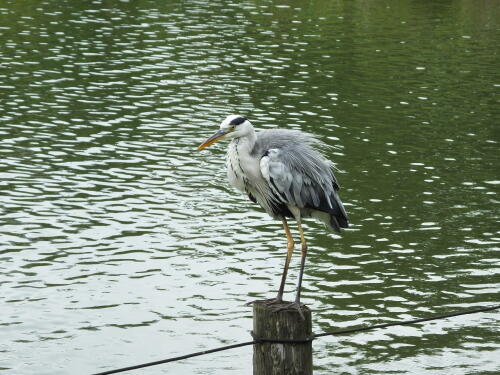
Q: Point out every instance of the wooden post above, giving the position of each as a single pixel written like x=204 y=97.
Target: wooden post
x=281 y=358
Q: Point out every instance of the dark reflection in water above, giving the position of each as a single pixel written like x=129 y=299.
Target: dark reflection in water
x=115 y=232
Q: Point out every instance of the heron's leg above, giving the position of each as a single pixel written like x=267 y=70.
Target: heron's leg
x=296 y=304
x=290 y=245
x=303 y=251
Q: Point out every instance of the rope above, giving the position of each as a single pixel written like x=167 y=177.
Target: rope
x=173 y=359
x=406 y=322
x=259 y=340
x=300 y=341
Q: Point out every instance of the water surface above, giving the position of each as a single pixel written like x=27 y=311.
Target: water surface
x=122 y=244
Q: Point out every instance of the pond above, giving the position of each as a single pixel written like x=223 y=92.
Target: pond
x=120 y=243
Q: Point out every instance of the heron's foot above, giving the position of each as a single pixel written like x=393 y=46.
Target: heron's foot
x=267 y=302
x=291 y=306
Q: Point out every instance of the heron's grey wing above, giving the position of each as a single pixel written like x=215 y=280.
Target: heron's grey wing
x=299 y=175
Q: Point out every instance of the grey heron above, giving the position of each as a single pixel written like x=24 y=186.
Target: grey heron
x=283 y=172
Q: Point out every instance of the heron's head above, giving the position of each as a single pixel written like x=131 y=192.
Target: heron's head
x=234 y=126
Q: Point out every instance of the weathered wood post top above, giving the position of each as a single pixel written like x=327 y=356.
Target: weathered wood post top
x=282 y=357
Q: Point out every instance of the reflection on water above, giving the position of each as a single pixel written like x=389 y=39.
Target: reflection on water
x=115 y=231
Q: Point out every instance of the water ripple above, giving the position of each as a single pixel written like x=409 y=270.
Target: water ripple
x=113 y=228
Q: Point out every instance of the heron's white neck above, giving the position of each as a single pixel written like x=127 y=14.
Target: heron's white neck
x=246 y=142
x=243 y=168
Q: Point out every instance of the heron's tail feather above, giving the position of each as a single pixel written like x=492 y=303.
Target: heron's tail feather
x=338 y=215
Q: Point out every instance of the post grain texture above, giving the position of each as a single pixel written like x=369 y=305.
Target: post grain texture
x=281 y=358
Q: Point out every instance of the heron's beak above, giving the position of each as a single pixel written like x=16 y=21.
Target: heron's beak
x=214 y=138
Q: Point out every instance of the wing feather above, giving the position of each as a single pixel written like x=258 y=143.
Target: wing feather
x=301 y=177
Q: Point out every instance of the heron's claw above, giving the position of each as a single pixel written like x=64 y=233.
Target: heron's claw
x=267 y=302
x=291 y=306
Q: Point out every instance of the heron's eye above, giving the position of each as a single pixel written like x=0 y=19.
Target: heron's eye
x=231 y=128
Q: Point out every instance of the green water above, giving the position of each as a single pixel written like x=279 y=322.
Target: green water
x=122 y=244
